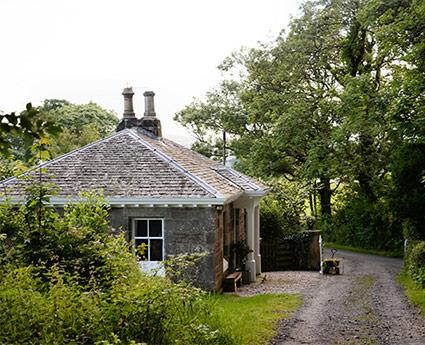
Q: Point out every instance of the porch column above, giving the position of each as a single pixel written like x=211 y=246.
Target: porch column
x=257 y=239
x=250 y=233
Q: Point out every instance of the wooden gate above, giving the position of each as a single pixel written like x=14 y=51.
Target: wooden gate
x=301 y=253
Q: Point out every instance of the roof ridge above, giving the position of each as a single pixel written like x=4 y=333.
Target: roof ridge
x=61 y=157
x=176 y=165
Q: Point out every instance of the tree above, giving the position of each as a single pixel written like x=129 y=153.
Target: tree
x=294 y=101
x=68 y=126
x=328 y=101
x=81 y=124
x=29 y=125
x=210 y=121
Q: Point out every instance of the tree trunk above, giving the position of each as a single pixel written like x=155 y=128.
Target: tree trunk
x=325 y=195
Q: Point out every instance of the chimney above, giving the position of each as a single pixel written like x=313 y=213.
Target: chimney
x=128 y=103
x=149 y=103
x=129 y=118
x=149 y=121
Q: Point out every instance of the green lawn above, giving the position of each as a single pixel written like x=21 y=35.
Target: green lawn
x=415 y=293
x=393 y=254
x=254 y=319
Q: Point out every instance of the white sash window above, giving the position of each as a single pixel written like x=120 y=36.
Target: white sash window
x=149 y=231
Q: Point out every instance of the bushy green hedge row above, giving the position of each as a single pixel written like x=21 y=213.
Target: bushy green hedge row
x=150 y=310
x=67 y=280
x=363 y=224
x=415 y=262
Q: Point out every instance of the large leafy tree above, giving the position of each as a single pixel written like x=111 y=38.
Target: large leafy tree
x=328 y=100
x=62 y=125
x=81 y=124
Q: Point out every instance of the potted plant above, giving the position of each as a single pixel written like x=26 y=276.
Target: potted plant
x=241 y=251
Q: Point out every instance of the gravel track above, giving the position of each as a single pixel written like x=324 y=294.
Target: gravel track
x=363 y=306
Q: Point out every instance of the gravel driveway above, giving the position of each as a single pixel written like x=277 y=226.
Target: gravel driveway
x=363 y=306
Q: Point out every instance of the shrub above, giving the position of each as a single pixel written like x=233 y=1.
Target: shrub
x=415 y=262
x=282 y=210
x=69 y=280
x=407 y=165
x=363 y=224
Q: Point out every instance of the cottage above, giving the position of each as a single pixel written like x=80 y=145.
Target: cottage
x=162 y=194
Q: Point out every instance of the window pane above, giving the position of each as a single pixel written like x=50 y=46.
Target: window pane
x=156 y=250
x=141 y=228
x=155 y=228
x=141 y=254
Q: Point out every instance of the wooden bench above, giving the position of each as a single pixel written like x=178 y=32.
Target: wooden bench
x=232 y=281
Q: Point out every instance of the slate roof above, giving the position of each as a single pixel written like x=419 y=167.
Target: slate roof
x=134 y=164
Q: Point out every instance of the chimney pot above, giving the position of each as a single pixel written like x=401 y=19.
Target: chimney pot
x=149 y=103
x=149 y=121
x=128 y=103
x=129 y=118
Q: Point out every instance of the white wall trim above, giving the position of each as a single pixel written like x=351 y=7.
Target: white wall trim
x=134 y=202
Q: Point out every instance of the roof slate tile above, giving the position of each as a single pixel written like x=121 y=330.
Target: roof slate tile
x=132 y=163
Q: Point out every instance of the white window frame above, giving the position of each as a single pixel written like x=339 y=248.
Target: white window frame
x=148 y=238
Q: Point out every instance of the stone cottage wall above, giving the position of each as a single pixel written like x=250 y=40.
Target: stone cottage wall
x=186 y=230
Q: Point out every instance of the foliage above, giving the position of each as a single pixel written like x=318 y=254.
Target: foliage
x=399 y=253
x=362 y=224
x=327 y=103
x=183 y=267
x=10 y=168
x=408 y=193
x=254 y=319
x=415 y=262
x=241 y=250
x=67 y=279
x=81 y=124
x=28 y=125
x=67 y=127
x=281 y=210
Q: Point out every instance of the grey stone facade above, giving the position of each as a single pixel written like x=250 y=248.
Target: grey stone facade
x=186 y=230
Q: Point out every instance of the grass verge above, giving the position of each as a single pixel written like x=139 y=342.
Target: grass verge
x=414 y=292
x=253 y=320
x=391 y=254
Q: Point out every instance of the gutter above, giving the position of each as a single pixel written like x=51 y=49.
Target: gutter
x=133 y=202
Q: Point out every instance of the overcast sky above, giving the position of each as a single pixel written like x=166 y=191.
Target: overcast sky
x=88 y=50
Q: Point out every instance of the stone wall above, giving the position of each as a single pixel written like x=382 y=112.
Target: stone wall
x=186 y=230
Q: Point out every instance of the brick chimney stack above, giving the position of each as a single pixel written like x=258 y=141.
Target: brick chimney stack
x=129 y=117
x=149 y=103
x=149 y=121
x=128 y=103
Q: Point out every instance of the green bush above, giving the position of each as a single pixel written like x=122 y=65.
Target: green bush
x=282 y=211
x=415 y=262
x=68 y=280
x=360 y=223
x=407 y=197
